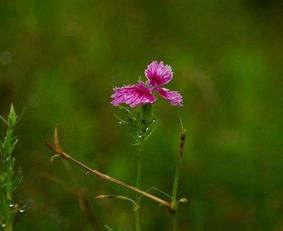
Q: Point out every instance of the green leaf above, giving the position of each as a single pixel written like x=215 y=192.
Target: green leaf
x=12 y=117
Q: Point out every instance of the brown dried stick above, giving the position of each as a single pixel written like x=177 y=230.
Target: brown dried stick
x=60 y=153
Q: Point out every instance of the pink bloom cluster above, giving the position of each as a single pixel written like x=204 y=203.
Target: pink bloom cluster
x=157 y=74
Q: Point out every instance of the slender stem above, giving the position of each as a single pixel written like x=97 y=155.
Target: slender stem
x=174 y=193
x=174 y=202
x=174 y=222
x=175 y=184
x=137 y=213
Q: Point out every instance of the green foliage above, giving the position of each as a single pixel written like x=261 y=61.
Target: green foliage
x=9 y=180
x=141 y=122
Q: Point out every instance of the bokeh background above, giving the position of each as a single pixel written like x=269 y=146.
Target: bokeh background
x=60 y=60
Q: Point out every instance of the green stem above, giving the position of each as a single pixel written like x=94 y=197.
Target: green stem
x=174 y=222
x=137 y=200
x=174 y=193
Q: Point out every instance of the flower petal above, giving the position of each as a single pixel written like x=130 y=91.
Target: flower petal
x=132 y=95
x=158 y=74
x=174 y=97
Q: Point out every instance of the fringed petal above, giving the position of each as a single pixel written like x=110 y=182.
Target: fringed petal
x=158 y=74
x=132 y=95
x=174 y=97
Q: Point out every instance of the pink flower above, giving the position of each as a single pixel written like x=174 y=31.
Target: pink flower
x=133 y=95
x=157 y=74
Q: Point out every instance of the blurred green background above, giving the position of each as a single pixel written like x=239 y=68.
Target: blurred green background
x=61 y=59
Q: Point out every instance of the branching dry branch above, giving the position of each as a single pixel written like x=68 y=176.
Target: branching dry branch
x=60 y=153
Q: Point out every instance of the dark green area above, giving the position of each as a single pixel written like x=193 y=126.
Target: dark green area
x=61 y=59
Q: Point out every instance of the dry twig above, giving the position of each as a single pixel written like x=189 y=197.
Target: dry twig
x=60 y=153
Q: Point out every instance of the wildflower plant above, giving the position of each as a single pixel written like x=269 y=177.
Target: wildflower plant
x=9 y=180
x=142 y=120
x=136 y=102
